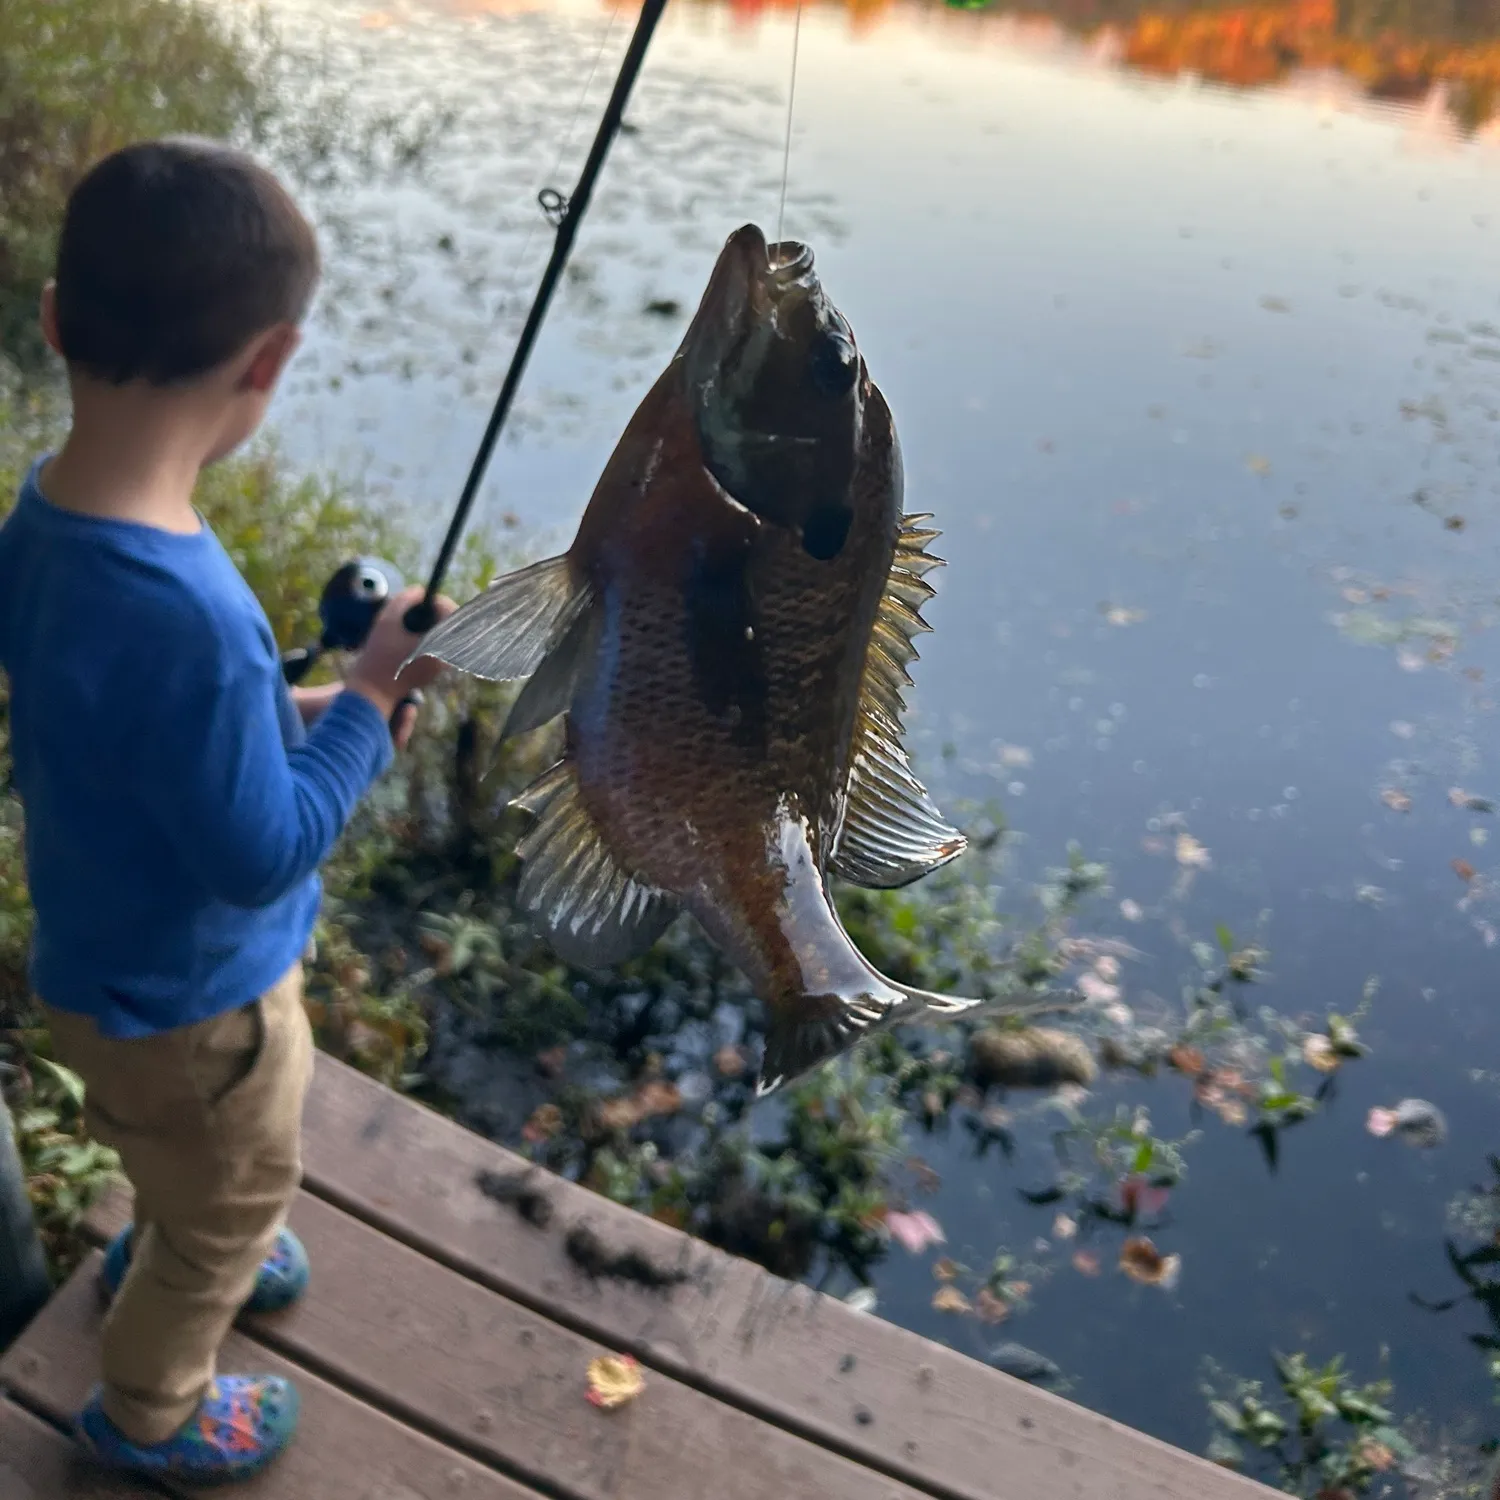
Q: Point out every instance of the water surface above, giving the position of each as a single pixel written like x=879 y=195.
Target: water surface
x=1202 y=386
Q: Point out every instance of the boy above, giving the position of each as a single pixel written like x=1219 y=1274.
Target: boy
x=178 y=796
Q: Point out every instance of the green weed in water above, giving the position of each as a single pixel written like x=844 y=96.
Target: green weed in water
x=1320 y=1436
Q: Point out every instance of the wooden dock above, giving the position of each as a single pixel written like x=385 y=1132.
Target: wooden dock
x=443 y=1346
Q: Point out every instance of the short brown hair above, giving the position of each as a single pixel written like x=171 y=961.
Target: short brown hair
x=173 y=255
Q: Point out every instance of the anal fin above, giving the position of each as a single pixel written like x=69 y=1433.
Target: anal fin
x=592 y=912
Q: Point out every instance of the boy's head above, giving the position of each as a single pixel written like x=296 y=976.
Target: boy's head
x=183 y=268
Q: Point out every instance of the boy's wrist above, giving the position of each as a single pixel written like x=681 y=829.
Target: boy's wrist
x=384 y=699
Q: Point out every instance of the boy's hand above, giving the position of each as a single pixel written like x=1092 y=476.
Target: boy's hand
x=376 y=672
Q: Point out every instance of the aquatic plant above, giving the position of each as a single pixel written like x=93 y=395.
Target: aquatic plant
x=65 y=1170
x=1321 y=1436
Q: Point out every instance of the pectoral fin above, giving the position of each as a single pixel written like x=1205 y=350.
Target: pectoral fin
x=549 y=690
x=890 y=833
x=591 y=911
x=508 y=631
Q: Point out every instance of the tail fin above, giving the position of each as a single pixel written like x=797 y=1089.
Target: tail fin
x=821 y=993
x=811 y=1030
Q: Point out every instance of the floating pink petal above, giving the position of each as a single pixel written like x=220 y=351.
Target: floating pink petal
x=915 y=1231
x=1097 y=990
x=1380 y=1121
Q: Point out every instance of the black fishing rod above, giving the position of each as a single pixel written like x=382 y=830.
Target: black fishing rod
x=356 y=593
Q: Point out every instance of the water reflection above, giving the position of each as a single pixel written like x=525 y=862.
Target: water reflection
x=1442 y=59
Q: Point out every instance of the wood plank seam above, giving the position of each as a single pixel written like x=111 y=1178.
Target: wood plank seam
x=398 y=1410
x=265 y=1332
x=1045 y=1444
x=684 y=1374
x=358 y=1448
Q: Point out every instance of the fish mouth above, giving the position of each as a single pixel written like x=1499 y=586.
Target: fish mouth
x=752 y=279
x=788 y=261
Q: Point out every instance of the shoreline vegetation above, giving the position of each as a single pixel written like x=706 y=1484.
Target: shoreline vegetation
x=637 y=1082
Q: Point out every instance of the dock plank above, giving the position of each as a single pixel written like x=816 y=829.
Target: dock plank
x=855 y=1384
x=37 y=1462
x=500 y=1381
x=348 y=1450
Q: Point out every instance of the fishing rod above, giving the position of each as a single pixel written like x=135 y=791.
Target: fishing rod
x=359 y=589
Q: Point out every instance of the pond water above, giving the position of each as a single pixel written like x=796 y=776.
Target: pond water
x=1202 y=386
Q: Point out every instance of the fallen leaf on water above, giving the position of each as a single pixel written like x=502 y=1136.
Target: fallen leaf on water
x=1064 y=1228
x=1464 y=870
x=990 y=1308
x=1258 y=464
x=614 y=1379
x=1414 y=1121
x=654 y=1097
x=945 y=1269
x=950 y=1299
x=929 y=1179
x=1096 y=990
x=543 y=1124
x=1454 y=523
x=915 y=1231
x=1319 y=1052
x=1376 y=1455
x=1143 y=1262
x=1190 y=853
x=1468 y=801
x=1187 y=1060
x=1085 y=1262
x=1137 y=1196
x=1395 y=799
x=729 y=1062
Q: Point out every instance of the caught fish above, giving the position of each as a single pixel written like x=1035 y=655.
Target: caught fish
x=729 y=636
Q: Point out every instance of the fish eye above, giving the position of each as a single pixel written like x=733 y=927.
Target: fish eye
x=833 y=364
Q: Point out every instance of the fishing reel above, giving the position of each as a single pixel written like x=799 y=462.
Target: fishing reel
x=347 y=608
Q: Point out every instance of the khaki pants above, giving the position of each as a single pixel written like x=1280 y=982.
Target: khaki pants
x=208 y=1123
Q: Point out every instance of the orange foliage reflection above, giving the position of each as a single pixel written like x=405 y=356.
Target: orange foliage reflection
x=1390 y=49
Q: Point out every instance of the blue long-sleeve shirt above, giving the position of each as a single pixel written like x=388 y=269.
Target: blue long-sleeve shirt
x=176 y=810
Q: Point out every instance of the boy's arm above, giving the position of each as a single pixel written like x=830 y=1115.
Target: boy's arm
x=250 y=818
x=311 y=701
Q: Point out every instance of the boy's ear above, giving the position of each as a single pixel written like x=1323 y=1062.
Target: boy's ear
x=269 y=358
x=49 y=317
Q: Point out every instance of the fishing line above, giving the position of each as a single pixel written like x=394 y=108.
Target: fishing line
x=791 y=99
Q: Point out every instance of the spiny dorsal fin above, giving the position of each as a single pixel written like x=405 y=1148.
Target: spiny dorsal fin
x=890 y=833
x=590 y=911
x=507 y=631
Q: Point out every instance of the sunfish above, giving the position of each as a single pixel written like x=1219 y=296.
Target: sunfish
x=729 y=636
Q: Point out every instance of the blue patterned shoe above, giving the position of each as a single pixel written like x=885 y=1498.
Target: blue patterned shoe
x=282 y=1278
x=241 y=1425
